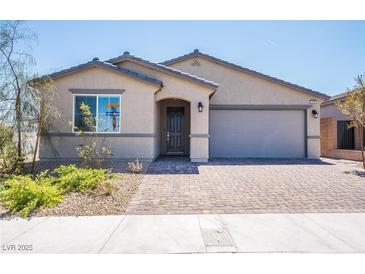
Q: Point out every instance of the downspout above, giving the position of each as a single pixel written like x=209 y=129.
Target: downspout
x=158 y=90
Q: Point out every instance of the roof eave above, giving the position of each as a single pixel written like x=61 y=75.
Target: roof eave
x=333 y=101
x=197 y=53
x=96 y=63
x=171 y=71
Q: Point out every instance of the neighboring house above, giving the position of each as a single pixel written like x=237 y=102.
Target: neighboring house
x=195 y=105
x=337 y=140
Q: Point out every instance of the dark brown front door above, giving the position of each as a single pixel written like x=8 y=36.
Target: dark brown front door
x=175 y=130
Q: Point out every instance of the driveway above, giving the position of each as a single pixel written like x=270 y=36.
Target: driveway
x=176 y=186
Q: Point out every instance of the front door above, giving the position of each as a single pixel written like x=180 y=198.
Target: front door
x=175 y=130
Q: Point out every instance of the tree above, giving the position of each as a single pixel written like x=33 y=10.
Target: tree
x=354 y=108
x=20 y=95
x=47 y=112
x=17 y=102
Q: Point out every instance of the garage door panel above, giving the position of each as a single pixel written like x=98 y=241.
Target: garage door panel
x=257 y=133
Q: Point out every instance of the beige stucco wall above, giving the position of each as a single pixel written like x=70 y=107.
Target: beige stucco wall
x=163 y=123
x=236 y=87
x=138 y=115
x=127 y=148
x=175 y=87
x=141 y=107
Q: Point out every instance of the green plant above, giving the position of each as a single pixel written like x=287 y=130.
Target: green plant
x=90 y=153
x=24 y=195
x=6 y=135
x=9 y=161
x=7 y=156
x=103 y=189
x=19 y=101
x=353 y=107
x=71 y=178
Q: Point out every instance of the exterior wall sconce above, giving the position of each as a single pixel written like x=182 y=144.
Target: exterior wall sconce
x=200 y=107
x=315 y=114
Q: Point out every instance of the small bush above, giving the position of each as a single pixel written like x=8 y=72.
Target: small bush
x=24 y=195
x=135 y=166
x=71 y=178
x=103 y=189
x=10 y=162
x=91 y=153
x=6 y=135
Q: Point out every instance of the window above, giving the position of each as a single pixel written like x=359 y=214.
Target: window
x=105 y=110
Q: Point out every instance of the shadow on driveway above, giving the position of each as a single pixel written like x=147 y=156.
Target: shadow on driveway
x=356 y=172
x=182 y=165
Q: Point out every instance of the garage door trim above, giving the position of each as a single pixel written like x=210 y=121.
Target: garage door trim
x=259 y=107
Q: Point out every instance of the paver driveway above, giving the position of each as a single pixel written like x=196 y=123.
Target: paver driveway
x=176 y=186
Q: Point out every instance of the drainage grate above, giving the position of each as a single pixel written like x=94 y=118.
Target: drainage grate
x=217 y=237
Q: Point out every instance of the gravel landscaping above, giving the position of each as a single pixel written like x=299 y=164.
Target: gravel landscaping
x=108 y=199
x=98 y=202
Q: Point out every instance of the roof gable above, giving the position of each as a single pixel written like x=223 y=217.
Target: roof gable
x=160 y=67
x=197 y=53
x=96 y=63
x=335 y=98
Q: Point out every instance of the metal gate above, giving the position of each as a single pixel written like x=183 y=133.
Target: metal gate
x=345 y=135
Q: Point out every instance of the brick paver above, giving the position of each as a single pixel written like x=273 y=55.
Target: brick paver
x=176 y=186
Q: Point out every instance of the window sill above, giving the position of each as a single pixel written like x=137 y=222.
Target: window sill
x=75 y=134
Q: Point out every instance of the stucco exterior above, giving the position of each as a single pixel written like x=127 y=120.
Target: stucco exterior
x=236 y=87
x=176 y=88
x=146 y=90
x=61 y=143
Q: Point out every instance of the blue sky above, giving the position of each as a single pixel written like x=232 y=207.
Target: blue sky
x=321 y=55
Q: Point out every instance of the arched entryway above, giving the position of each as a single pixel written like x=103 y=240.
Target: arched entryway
x=174 y=125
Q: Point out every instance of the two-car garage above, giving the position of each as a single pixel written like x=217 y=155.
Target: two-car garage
x=257 y=133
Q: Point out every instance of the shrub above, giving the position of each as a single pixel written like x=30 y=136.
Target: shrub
x=24 y=195
x=71 y=178
x=9 y=160
x=6 y=135
x=91 y=153
x=135 y=166
x=103 y=189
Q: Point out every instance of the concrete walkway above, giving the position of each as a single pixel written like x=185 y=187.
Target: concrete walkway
x=186 y=233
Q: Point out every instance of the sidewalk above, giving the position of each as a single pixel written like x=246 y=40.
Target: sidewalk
x=186 y=233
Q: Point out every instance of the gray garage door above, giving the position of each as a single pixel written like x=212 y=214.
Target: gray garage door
x=257 y=133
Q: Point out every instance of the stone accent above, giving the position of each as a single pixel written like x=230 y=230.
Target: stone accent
x=328 y=135
x=344 y=154
x=329 y=142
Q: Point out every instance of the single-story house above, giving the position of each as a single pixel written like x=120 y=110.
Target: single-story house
x=337 y=139
x=195 y=105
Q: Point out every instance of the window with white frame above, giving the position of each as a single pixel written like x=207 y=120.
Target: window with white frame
x=105 y=110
